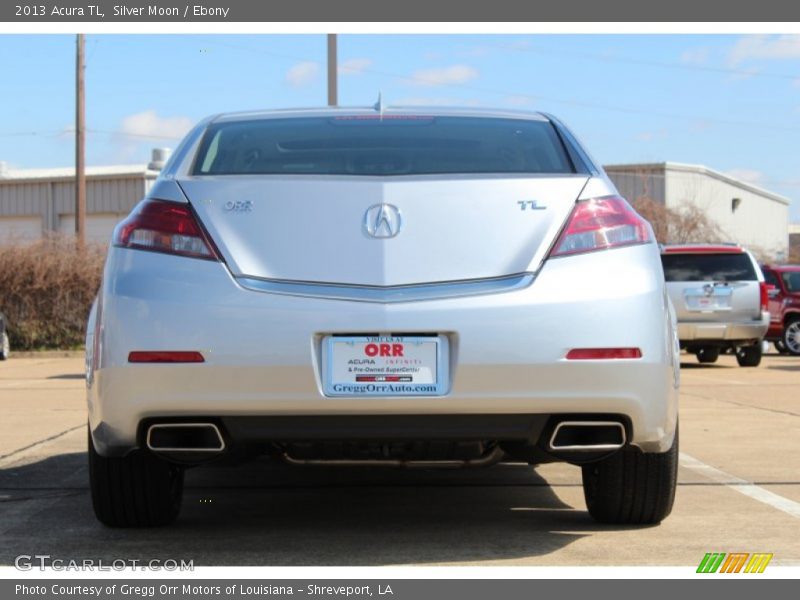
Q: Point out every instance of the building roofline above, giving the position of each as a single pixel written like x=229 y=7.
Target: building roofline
x=700 y=170
x=126 y=171
x=14 y=176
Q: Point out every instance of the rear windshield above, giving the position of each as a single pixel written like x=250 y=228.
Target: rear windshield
x=708 y=267
x=388 y=145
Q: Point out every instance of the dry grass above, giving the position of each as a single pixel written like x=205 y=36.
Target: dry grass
x=46 y=291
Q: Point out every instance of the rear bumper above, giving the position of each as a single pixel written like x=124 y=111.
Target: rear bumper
x=721 y=331
x=263 y=351
x=402 y=440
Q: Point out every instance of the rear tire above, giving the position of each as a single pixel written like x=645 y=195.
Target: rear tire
x=791 y=337
x=707 y=354
x=749 y=356
x=632 y=487
x=780 y=347
x=136 y=490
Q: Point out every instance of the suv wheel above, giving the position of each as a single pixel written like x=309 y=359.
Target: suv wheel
x=137 y=490
x=749 y=356
x=791 y=337
x=632 y=487
x=5 y=347
x=707 y=354
x=780 y=347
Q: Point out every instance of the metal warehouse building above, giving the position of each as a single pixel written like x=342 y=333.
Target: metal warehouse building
x=746 y=214
x=34 y=202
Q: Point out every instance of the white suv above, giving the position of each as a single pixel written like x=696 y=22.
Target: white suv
x=720 y=299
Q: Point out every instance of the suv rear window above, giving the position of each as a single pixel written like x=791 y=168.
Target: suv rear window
x=791 y=279
x=388 y=145
x=708 y=267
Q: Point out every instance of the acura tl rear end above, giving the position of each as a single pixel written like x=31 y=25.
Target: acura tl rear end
x=394 y=287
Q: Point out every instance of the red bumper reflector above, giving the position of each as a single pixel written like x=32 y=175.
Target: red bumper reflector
x=603 y=353
x=165 y=356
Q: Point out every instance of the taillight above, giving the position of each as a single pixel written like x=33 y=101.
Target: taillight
x=168 y=227
x=764 y=295
x=601 y=223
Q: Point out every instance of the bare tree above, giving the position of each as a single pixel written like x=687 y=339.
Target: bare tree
x=794 y=249
x=686 y=225
x=690 y=224
x=656 y=214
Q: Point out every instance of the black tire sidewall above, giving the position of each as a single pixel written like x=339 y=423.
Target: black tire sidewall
x=135 y=490
x=708 y=354
x=749 y=356
x=613 y=497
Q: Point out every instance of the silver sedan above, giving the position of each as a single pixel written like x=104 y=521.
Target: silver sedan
x=408 y=287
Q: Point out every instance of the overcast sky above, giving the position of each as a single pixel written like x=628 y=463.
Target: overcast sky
x=731 y=103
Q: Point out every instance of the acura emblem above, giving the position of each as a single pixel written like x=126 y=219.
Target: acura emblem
x=383 y=221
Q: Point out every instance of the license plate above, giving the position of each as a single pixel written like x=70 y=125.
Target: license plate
x=385 y=365
x=708 y=299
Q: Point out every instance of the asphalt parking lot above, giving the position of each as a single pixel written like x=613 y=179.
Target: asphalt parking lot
x=739 y=491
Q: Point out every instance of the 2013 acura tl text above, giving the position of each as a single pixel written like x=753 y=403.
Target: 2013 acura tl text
x=407 y=287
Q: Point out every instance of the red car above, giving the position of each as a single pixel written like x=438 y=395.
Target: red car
x=784 y=307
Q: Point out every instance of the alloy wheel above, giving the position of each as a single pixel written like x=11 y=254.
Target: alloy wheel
x=791 y=337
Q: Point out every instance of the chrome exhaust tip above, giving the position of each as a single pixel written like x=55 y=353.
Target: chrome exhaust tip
x=587 y=436
x=185 y=437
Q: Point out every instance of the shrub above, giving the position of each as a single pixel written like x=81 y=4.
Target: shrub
x=47 y=289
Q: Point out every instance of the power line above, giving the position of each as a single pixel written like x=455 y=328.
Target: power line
x=551 y=99
x=647 y=63
x=533 y=97
x=31 y=133
x=124 y=134
x=127 y=134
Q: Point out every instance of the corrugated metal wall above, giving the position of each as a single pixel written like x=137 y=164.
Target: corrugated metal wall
x=50 y=199
x=638 y=184
x=18 y=199
x=103 y=196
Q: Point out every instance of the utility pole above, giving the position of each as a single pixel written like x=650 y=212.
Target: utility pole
x=333 y=92
x=80 y=150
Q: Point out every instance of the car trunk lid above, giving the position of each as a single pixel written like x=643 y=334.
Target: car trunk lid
x=315 y=228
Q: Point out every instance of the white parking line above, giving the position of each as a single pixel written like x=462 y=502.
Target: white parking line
x=742 y=486
x=18 y=383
